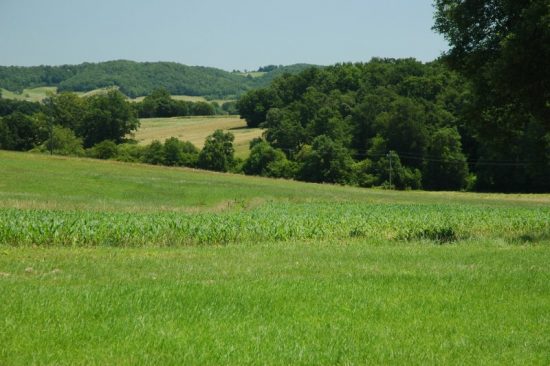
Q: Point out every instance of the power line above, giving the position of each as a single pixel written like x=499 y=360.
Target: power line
x=431 y=158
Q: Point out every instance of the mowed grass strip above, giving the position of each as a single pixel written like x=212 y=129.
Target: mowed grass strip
x=341 y=302
x=196 y=129
x=35 y=181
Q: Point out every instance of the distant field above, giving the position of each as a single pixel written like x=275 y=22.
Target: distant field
x=196 y=129
x=254 y=74
x=38 y=94
x=103 y=262
x=190 y=98
x=31 y=95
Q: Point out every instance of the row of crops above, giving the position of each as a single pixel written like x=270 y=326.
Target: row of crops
x=273 y=222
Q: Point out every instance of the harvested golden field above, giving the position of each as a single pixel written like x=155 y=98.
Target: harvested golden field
x=196 y=129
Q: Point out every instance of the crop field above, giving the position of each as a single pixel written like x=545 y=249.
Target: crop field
x=114 y=263
x=196 y=129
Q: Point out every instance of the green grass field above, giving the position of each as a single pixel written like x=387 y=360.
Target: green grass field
x=104 y=262
x=196 y=129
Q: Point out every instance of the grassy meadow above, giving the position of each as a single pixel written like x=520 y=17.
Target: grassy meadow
x=104 y=262
x=196 y=129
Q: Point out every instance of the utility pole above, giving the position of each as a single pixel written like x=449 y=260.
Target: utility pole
x=389 y=156
x=51 y=135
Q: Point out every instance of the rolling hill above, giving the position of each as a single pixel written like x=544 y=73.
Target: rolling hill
x=139 y=78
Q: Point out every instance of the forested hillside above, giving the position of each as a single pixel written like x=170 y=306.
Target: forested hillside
x=139 y=78
x=478 y=118
x=345 y=123
x=387 y=122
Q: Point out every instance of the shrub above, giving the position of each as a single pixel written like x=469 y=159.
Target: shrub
x=106 y=149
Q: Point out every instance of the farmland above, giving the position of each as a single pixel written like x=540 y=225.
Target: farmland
x=196 y=129
x=116 y=263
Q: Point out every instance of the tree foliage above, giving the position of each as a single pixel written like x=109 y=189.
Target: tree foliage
x=161 y=104
x=62 y=141
x=107 y=117
x=503 y=48
x=218 y=152
x=338 y=124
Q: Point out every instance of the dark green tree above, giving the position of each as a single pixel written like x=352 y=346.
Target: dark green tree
x=105 y=149
x=202 y=109
x=263 y=157
x=405 y=129
x=173 y=152
x=254 y=105
x=20 y=132
x=108 y=117
x=154 y=153
x=180 y=153
x=327 y=161
x=445 y=167
x=66 y=109
x=284 y=130
x=503 y=48
x=218 y=152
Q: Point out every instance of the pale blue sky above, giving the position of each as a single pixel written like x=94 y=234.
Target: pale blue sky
x=236 y=34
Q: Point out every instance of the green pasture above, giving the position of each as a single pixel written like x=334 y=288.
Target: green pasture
x=104 y=262
x=329 y=302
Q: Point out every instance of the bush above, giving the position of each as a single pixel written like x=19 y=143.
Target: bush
x=260 y=158
x=154 y=153
x=179 y=153
x=62 y=142
x=130 y=152
x=103 y=150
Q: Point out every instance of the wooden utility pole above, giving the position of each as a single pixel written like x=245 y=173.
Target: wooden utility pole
x=389 y=156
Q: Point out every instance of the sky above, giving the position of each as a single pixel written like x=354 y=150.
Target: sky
x=235 y=34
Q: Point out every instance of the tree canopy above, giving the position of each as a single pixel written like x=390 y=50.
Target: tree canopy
x=343 y=123
x=503 y=48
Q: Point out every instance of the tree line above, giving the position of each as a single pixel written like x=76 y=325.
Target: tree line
x=161 y=104
x=69 y=124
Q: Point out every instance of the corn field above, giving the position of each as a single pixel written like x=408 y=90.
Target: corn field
x=274 y=222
